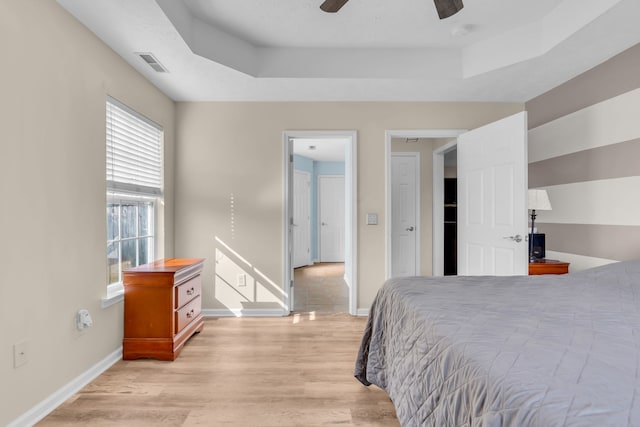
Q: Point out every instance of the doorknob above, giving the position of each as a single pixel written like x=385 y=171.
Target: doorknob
x=517 y=238
x=323 y=223
x=410 y=228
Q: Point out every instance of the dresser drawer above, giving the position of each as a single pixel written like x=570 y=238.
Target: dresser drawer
x=188 y=291
x=188 y=313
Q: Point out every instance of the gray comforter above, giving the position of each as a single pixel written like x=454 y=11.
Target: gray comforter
x=508 y=351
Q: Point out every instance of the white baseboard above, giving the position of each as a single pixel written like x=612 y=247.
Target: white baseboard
x=45 y=407
x=364 y=312
x=244 y=312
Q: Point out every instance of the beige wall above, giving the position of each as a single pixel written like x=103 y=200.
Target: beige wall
x=229 y=184
x=55 y=78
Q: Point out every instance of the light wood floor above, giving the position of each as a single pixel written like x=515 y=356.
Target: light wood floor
x=320 y=288
x=291 y=371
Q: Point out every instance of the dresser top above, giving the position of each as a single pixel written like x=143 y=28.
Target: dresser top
x=547 y=261
x=168 y=265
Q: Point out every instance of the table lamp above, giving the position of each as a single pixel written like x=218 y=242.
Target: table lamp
x=538 y=200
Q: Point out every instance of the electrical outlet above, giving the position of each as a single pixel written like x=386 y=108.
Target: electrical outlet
x=20 y=353
x=242 y=280
x=83 y=319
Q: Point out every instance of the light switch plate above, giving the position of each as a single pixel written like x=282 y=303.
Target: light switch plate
x=372 y=219
x=242 y=280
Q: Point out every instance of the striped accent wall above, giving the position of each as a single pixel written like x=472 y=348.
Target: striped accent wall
x=584 y=149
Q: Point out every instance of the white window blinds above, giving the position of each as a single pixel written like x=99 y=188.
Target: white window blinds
x=134 y=159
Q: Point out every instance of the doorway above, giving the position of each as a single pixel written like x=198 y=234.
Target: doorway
x=332 y=230
x=422 y=141
x=450 y=236
x=445 y=164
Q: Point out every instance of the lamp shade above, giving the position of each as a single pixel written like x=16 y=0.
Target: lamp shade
x=539 y=200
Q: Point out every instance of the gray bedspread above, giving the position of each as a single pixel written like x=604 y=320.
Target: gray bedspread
x=508 y=351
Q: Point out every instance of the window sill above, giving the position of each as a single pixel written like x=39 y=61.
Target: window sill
x=115 y=294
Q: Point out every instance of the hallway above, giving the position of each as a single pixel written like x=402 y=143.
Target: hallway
x=321 y=288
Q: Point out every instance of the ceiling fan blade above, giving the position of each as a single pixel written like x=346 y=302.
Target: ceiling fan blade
x=332 y=6
x=447 y=8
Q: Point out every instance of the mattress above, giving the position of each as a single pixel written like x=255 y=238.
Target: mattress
x=508 y=351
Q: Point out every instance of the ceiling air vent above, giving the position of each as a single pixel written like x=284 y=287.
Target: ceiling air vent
x=153 y=62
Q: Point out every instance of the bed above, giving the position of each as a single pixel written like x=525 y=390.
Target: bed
x=508 y=351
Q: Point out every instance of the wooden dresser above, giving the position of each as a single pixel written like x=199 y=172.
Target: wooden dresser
x=548 y=266
x=162 y=307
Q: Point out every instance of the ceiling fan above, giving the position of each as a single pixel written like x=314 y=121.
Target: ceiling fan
x=445 y=8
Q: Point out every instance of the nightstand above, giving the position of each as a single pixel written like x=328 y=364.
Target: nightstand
x=548 y=266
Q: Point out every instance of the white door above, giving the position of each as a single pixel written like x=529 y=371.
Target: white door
x=492 y=191
x=332 y=218
x=301 y=218
x=405 y=172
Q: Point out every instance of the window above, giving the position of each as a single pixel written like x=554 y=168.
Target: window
x=134 y=190
x=130 y=234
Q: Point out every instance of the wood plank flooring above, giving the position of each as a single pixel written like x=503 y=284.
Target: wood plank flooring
x=291 y=371
x=321 y=288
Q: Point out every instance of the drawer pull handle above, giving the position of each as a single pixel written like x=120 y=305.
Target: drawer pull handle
x=190 y=314
x=190 y=291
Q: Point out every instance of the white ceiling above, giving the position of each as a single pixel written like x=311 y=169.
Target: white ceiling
x=371 y=50
x=324 y=149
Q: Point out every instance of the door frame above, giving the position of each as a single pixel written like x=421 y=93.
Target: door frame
x=351 y=210
x=417 y=208
x=417 y=133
